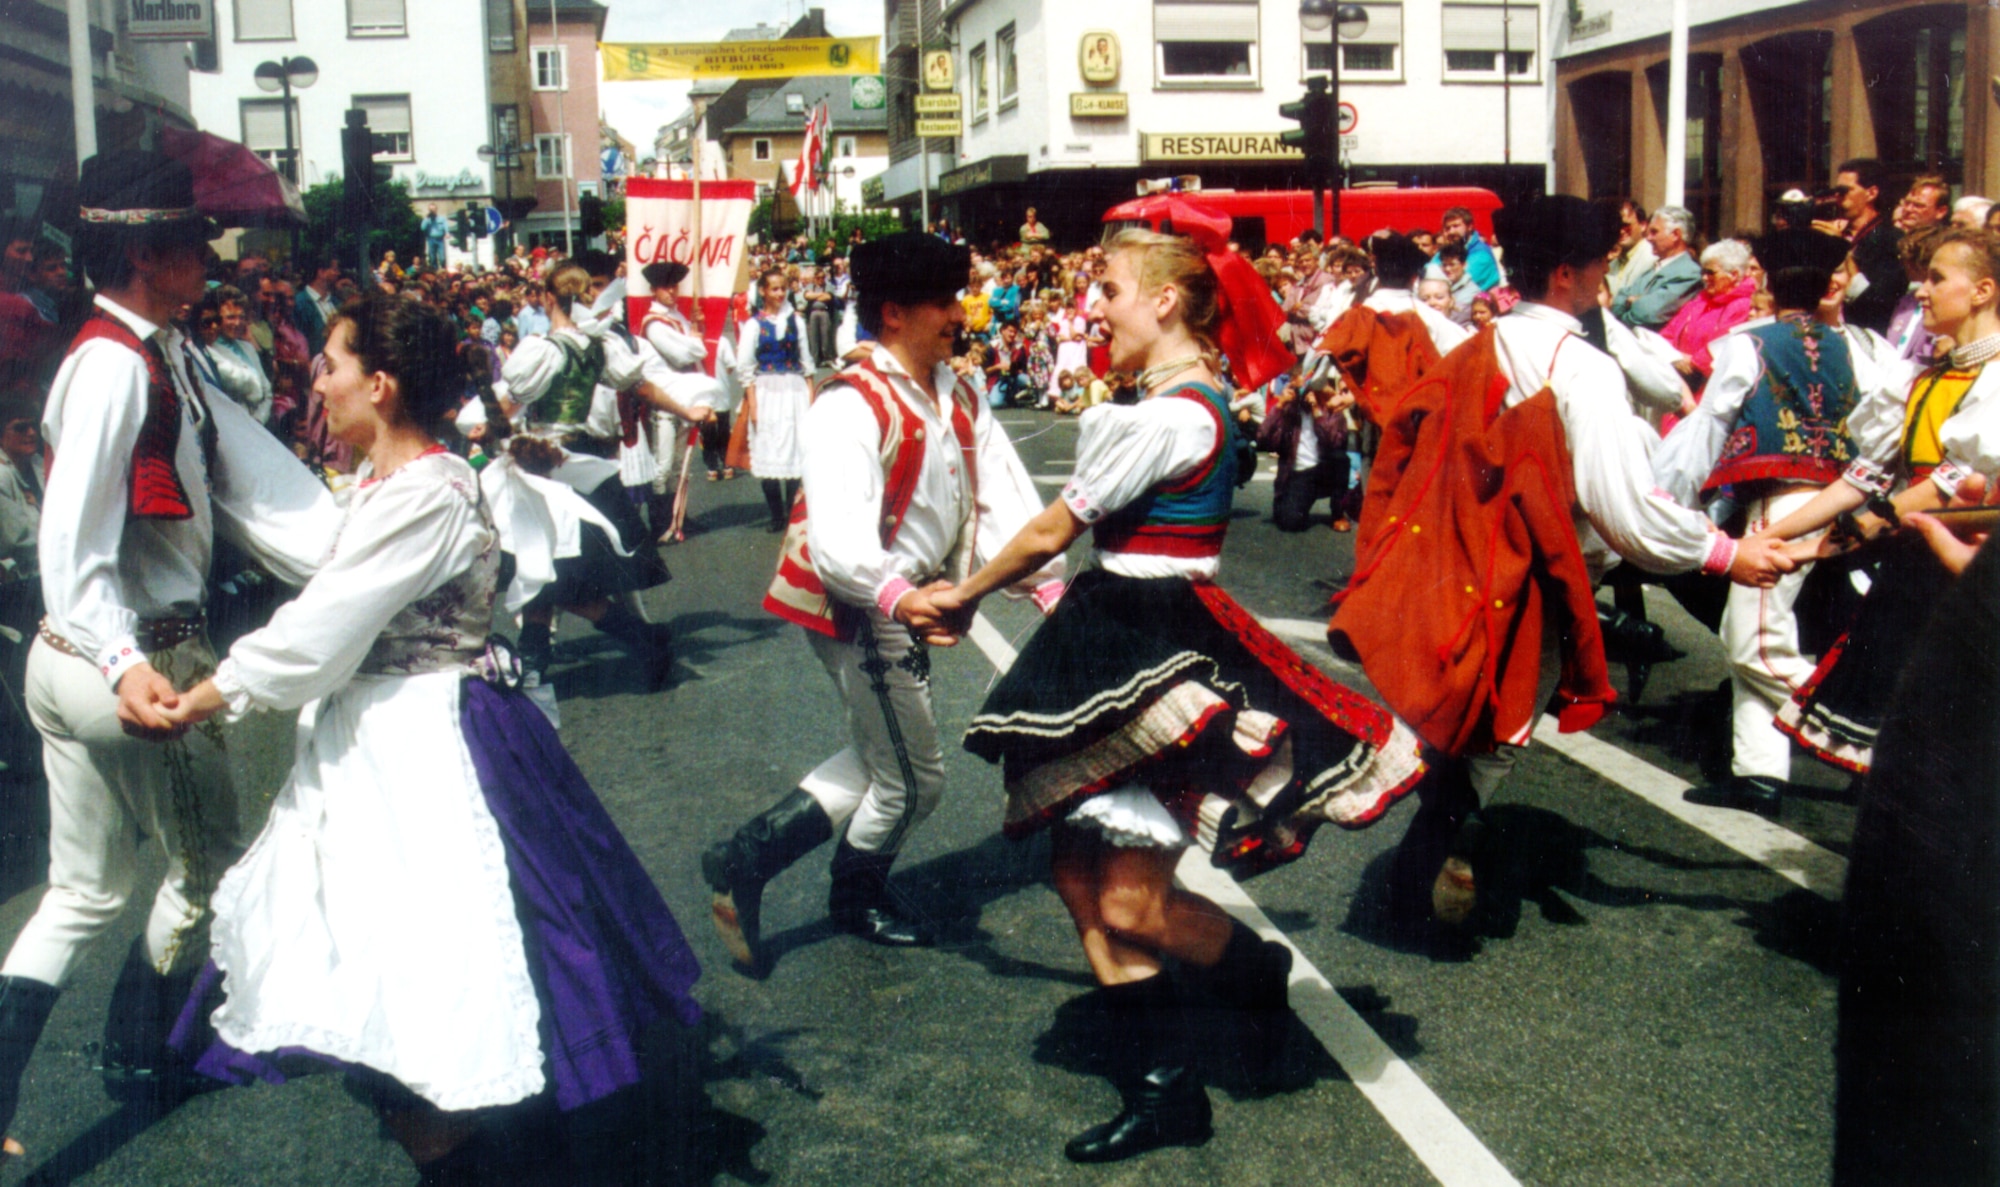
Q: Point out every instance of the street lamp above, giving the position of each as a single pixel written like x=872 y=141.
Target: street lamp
x=507 y=156
x=287 y=75
x=1347 y=21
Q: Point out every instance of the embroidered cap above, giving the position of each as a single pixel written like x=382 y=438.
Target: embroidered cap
x=143 y=192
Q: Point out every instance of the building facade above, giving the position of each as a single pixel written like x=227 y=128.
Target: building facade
x=764 y=145
x=1779 y=93
x=1066 y=106
x=562 y=113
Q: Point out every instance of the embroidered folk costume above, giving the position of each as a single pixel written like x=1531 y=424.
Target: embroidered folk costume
x=774 y=363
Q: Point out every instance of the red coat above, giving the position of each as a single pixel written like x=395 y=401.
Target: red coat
x=1475 y=545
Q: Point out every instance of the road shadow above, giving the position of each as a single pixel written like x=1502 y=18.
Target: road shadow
x=588 y=664
x=24 y=835
x=726 y=516
x=1692 y=726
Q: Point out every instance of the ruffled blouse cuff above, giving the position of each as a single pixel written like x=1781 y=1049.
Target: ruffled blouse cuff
x=1047 y=594
x=890 y=593
x=229 y=682
x=1868 y=478
x=1948 y=475
x=1721 y=555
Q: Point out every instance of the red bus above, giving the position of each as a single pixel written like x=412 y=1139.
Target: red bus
x=1260 y=217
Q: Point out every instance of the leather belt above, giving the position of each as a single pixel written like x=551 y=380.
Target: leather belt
x=153 y=634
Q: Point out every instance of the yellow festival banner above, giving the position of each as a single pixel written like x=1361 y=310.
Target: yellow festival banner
x=632 y=61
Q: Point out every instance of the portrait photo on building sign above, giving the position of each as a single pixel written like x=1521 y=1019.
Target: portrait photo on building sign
x=1100 y=57
x=939 y=73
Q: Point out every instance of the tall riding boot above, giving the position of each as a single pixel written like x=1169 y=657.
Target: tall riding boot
x=24 y=1010
x=1253 y=978
x=738 y=868
x=860 y=904
x=1165 y=1104
x=774 y=500
x=652 y=643
x=138 y=1064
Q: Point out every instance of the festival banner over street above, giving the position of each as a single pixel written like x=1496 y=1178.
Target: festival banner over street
x=633 y=61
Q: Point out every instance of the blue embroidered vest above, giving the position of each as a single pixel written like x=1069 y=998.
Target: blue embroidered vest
x=775 y=353
x=1187 y=518
x=1793 y=428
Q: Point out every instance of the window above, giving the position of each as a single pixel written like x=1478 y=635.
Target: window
x=388 y=125
x=550 y=72
x=264 y=133
x=1602 y=106
x=1206 y=41
x=795 y=103
x=1375 y=53
x=844 y=147
x=1914 y=60
x=375 y=18
x=551 y=157
x=506 y=129
x=975 y=78
x=500 y=26
x=264 y=20
x=760 y=150
x=1477 y=36
x=1790 y=80
x=1010 y=74
x=1703 y=186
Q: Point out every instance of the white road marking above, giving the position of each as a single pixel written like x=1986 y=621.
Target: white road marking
x=1426 y=1125
x=1779 y=849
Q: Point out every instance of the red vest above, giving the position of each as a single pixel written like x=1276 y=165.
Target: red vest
x=157 y=492
x=796 y=593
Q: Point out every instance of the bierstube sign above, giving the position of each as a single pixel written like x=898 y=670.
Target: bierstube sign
x=169 y=20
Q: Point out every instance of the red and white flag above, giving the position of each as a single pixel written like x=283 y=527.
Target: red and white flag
x=805 y=177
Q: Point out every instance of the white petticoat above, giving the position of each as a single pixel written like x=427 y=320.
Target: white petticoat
x=775 y=451
x=1131 y=818
x=373 y=920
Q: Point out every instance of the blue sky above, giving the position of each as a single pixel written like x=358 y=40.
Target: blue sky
x=637 y=109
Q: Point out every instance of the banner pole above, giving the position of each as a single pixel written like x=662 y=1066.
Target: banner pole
x=700 y=118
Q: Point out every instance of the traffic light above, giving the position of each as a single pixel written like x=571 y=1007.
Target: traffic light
x=461 y=230
x=1314 y=136
x=477 y=219
x=590 y=215
x=357 y=155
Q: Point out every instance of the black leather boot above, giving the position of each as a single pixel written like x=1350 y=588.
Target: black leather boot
x=861 y=905
x=651 y=643
x=24 y=1010
x=1254 y=978
x=1165 y=1104
x=737 y=869
x=1746 y=793
x=137 y=1063
x=774 y=502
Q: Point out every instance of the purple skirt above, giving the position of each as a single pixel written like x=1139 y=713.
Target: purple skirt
x=605 y=954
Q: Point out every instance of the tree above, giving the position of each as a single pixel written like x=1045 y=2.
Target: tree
x=397 y=228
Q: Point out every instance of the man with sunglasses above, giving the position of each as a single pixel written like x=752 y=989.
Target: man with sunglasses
x=1874 y=293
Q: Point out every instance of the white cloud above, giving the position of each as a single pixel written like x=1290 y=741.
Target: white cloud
x=637 y=109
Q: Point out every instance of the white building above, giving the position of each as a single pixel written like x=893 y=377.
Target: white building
x=1065 y=105
x=418 y=67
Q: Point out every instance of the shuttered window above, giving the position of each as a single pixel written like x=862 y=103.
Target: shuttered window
x=374 y=18
x=1378 y=51
x=1475 y=35
x=388 y=125
x=1206 y=40
x=263 y=20
x=264 y=133
x=500 y=26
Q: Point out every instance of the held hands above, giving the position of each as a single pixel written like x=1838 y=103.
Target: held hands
x=934 y=614
x=145 y=700
x=1760 y=560
x=197 y=705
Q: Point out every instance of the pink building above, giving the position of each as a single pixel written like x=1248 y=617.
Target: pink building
x=562 y=111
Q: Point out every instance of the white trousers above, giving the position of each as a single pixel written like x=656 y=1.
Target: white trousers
x=108 y=792
x=1761 y=634
x=865 y=784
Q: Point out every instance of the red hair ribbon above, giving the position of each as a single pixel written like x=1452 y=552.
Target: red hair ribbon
x=1250 y=319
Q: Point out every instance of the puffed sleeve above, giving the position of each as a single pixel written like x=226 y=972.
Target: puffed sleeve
x=1007 y=501
x=681 y=351
x=1971 y=436
x=266 y=502
x=1687 y=457
x=400 y=543
x=533 y=368
x=1647 y=360
x=746 y=352
x=1124 y=450
x=1876 y=424
x=622 y=365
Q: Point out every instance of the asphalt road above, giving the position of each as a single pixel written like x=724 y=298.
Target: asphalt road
x=1637 y=1003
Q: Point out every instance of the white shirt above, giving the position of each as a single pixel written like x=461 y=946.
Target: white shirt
x=1125 y=450
x=532 y=370
x=1445 y=333
x=240 y=374
x=1333 y=300
x=844 y=485
x=1619 y=508
x=103 y=571
x=677 y=362
x=1970 y=436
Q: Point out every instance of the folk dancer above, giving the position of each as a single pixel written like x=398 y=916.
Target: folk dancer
x=906 y=474
x=148 y=469
x=682 y=355
x=774 y=364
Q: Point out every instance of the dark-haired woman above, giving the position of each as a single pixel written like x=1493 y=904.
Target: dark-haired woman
x=438 y=901
x=1151 y=710
x=774 y=362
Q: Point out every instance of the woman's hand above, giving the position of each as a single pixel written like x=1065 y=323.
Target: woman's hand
x=1954 y=551
x=196 y=705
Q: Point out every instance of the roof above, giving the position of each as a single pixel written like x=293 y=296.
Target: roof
x=589 y=10
x=769 y=114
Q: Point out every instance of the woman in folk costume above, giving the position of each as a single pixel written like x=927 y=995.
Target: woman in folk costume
x=775 y=365
x=1152 y=712
x=578 y=542
x=1925 y=442
x=438 y=903
x=682 y=356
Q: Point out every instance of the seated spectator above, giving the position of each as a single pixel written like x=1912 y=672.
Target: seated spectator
x=24 y=468
x=1451 y=258
x=1483 y=310
x=1970 y=212
x=1480 y=263
x=1633 y=257
x=1722 y=303
x=1435 y=291
x=1906 y=326
x=1651 y=300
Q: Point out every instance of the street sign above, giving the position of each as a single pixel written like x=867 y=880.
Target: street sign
x=1099 y=104
x=937 y=126
x=939 y=104
x=169 y=20
x=1348 y=118
x=493 y=221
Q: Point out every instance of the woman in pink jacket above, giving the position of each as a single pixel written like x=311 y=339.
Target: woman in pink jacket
x=1727 y=284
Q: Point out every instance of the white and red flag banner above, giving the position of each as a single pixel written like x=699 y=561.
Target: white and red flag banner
x=806 y=178
x=659 y=227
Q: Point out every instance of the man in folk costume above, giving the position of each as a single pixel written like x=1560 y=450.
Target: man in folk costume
x=1513 y=470
x=146 y=469
x=907 y=475
x=678 y=368
x=1770 y=431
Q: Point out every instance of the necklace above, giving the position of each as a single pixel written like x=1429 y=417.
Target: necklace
x=1972 y=354
x=1152 y=375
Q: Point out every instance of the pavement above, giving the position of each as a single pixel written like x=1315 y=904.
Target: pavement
x=1646 y=995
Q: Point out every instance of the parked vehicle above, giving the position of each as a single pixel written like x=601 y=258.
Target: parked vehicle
x=1259 y=217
